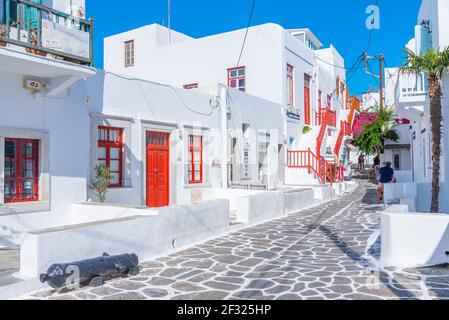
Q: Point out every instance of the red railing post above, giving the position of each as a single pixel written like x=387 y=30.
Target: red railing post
x=309 y=162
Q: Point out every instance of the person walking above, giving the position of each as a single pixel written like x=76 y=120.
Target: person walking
x=386 y=175
x=361 y=162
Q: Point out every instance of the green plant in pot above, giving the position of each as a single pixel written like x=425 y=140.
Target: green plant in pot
x=2 y=34
x=306 y=130
x=101 y=184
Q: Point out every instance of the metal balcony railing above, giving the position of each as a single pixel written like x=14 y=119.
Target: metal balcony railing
x=412 y=85
x=47 y=32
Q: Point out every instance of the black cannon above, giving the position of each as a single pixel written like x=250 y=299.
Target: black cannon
x=91 y=272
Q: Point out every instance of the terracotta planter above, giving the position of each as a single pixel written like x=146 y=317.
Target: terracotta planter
x=2 y=44
x=37 y=52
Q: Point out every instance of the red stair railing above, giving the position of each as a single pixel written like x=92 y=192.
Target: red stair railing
x=311 y=162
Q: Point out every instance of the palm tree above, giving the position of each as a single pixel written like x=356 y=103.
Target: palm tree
x=434 y=63
x=379 y=128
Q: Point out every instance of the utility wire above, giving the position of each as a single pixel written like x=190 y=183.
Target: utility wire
x=139 y=81
x=333 y=65
x=246 y=33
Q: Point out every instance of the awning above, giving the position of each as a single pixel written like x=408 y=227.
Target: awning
x=397 y=147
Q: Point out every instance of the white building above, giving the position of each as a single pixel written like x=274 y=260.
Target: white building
x=370 y=100
x=282 y=66
x=44 y=158
x=175 y=141
x=409 y=94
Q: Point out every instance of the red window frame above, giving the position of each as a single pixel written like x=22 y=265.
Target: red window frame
x=234 y=81
x=190 y=86
x=329 y=101
x=20 y=157
x=291 y=85
x=111 y=138
x=338 y=86
x=195 y=146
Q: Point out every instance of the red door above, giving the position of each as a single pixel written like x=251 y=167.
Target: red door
x=307 y=111
x=158 y=151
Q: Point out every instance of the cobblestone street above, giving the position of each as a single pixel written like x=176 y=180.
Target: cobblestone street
x=327 y=252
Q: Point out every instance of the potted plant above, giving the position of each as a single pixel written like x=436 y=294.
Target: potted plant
x=101 y=184
x=306 y=130
x=34 y=42
x=2 y=34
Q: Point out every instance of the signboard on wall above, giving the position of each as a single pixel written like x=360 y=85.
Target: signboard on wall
x=61 y=38
x=196 y=196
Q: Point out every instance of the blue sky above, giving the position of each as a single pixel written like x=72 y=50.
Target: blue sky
x=341 y=23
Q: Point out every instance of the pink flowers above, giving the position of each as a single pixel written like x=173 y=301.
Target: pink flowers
x=362 y=120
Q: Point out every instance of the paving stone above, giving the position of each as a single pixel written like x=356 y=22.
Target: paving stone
x=249 y=294
x=260 y=284
x=85 y=296
x=233 y=280
x=159 y=281
x=125 y=296
x=155 y=293
x=173 y=272
x=152 y=265
x=250 y=262
x=187 y=287
x=265 y=254
x=209 y=295
x=127 y=285
x=104 y=291
x=149 y=272
x=221 y=286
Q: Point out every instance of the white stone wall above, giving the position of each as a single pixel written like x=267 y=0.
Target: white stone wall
x=61 y=126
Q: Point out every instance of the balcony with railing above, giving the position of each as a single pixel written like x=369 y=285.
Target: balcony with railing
x=327 y=117
x=412 y=88
x=43 y=31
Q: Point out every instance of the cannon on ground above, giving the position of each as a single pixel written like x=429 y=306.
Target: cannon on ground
x=91 y=272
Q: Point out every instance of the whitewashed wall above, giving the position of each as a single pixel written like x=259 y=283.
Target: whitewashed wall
x=138 y=106
x=62 y=124
x=204 y=60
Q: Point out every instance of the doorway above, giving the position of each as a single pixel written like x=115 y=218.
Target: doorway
x=158 y=169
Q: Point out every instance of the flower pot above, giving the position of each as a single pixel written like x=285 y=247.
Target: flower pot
x=37 y=52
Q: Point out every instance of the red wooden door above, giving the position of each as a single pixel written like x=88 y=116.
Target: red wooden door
x=157 y=177
x=307 y=111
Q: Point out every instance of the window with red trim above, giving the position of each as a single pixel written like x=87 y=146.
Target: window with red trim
x=195 y=159
x=190 y=86
x=21 y=170
x=329 y=101
x=337 y=86
x=237 y=78
x=110 y=153
x=291 y=85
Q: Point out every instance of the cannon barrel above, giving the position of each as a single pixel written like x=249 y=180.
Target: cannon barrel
x=62 y=275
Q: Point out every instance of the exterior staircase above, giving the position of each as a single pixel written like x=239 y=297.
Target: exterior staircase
x=319 y=154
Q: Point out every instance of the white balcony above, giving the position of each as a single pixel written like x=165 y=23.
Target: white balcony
x=412 y=88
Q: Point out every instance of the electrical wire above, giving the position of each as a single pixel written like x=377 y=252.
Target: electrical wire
x=163 y=85
x=333 y=65
x=246 y=33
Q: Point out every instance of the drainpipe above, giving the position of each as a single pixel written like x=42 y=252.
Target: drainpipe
x=223 y=92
